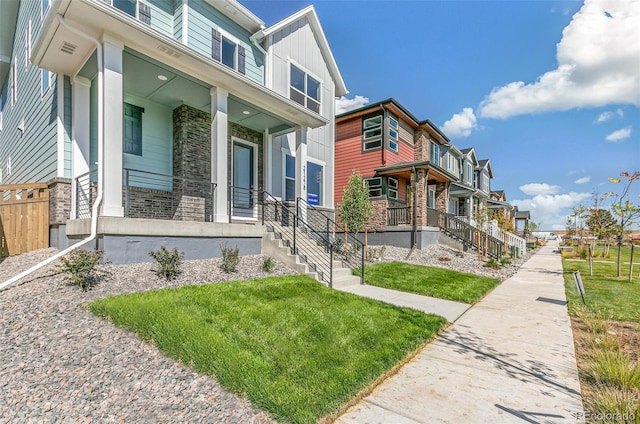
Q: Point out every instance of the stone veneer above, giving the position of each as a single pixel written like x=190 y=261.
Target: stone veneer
x=59 y=201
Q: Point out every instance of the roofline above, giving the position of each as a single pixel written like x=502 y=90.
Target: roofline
x=435 y=127
x=230 y=8
x=310 y=13
x=417 y=164
x=377 y=105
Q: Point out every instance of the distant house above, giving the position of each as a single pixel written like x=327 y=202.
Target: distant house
x=400 y=158
x=182 y=112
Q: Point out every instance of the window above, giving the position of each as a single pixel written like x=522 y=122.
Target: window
x=304 y=89
x=469 y=174
x=431 y=200
x=315 y=184
x=14 y=82
x=47 y=79
x=393 y=133
x=392 y=191
x=289 y=178
x=27 y=37
x=485 y=182
x=132 y=129
x=375 y=186
x=127 y=6
x=372 y=133
x=435 y=153
x=45 y=6
x=228 y=51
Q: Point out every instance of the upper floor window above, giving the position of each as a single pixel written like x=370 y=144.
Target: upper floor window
x=469 y=178
x=304 y=89
x=485 y=183
x=372 y=133
x=392 y=188
x=46 y=78
x=393 y=133
x=435 y=153
x=132 y=128
x=375 y=186
x=228 y=51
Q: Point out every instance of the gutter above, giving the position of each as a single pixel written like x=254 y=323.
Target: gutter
x=98 y=201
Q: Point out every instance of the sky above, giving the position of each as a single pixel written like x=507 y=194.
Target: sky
x=548 y=91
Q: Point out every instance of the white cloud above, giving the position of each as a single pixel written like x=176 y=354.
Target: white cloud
x=345 y=105
x=597 y=65
x=582 y=180
x=537 y=189
x=550 y=210
x=605 y=116
x=461 y=124
x=619 y=135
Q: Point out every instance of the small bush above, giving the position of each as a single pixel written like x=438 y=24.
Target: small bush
x=492 y=263
x=505 y=261
x=584 y=253
x=169 y=262
x=80 y=265
x=623 y=403
x=268 y=264
x=567 y=254
x=614 y=369
x=230 y=258
x=594 y=321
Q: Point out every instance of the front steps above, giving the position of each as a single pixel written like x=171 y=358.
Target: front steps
x=274 y=246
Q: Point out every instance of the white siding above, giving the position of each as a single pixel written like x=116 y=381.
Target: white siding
x=297 y=43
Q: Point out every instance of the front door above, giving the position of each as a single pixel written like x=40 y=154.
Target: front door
x=242 y=194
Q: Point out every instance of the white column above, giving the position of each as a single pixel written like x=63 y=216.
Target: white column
x=60 y=125
x=80 y=136
x=301 y=162
x=267 y=165
x=220 y=153
x=112 y=121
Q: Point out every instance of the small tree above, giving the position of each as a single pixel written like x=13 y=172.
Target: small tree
x=622 y=207
x=356 y=208
x=504 y=221
x=603 y=226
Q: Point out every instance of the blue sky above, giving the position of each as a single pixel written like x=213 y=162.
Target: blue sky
x=549 y=91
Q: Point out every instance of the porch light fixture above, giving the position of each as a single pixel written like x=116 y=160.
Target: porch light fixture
x=162 y=77
x=246 y=112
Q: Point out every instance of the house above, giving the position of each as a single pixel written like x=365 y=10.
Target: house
x=165 y=110
x=400 y=158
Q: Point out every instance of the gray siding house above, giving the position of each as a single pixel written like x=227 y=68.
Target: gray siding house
x=156 y=110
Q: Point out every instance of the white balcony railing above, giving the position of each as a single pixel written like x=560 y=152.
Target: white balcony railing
x=491 y=228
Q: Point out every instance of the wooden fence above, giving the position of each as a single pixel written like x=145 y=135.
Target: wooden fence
x=24 y=218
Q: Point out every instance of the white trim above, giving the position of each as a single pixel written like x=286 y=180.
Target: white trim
x=234 y=39
x=60 y=127
x=307 y=73
x=27 y=43
x=286 y=152
x=254 y=148
x=185 y=22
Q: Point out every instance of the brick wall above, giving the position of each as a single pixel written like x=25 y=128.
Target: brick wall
x=442 y=196
x=421 y=149
x=59 y=200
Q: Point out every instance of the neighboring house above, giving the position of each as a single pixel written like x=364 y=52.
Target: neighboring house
x=197 y=104
x=400 y=157
x=497 y=203
x=463 y=192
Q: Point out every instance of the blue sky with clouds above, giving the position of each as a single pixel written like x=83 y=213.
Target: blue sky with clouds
x=549 y=91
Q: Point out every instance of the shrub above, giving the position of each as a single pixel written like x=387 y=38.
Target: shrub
x=505 y=261
x=268 y=264
x=614 y=369
x=230 y=258
x=80 y=265
x=593 y=321
x=583 y=253
x=492 y=263
x=567 y=254
x=623 y=403
x=169 y=262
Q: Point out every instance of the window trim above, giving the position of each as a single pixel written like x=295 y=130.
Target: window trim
x=286 y=153
x=373 y=187
x=391 y=189
x=372 y=142
x=394 y=139
x=44 y=90
x=435 y=153
x=305 y=94
x=431 y=192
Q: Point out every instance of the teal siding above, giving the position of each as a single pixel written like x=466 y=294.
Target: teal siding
x=203 y=17
x=33 y=152
x=67 y=126
x=157 y=143
x=177 y=20
x=161 y=15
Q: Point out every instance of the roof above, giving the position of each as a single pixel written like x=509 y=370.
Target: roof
x=470 y=150
x=418 y=165
x=238 y=14
x=310 y=14
x=523 y=215
x=486 y=163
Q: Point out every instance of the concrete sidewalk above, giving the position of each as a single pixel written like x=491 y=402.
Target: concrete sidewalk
x=445 y=308
x=510 y=358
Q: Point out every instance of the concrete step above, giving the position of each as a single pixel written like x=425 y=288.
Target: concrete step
x=345 y=281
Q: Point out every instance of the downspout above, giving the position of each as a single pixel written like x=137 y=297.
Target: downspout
x=414 y=212
x=98 y=201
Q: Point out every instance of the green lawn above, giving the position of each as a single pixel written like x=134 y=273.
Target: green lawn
x=429 y=281
x=605 y=292
x=295 y=348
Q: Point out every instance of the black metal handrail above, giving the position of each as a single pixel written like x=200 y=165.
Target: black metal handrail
x=465 y=232
x=398 y=215
x=243 y=202
x=299 y=236
x=346 y=245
